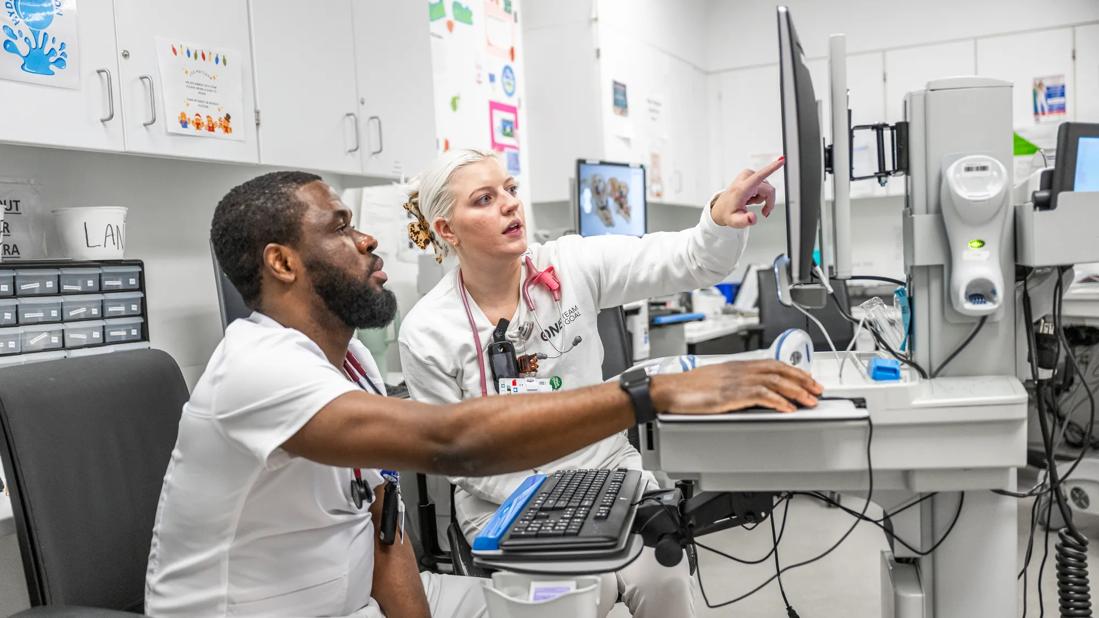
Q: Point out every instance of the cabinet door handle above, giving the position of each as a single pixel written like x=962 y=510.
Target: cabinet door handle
x=148 y=81
x=381 y=144
x=110 y=95
x=354 y=125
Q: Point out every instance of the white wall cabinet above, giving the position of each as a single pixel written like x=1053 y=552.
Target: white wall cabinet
x=306 y=93
x=89 y=117
x=1022 y=58
x=213 y=24
x=396 y=109
x=1086 y=94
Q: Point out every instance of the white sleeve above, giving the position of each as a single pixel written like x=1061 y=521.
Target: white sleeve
x=428 y=382
x=623 y=269
x=264 y=399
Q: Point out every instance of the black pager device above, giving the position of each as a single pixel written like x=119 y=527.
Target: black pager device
x=501 y=355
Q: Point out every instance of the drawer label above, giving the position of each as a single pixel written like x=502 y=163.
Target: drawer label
x=30 y=286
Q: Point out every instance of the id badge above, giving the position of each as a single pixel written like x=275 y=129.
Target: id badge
x=518 y=386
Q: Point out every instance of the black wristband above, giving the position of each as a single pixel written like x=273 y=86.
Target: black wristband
x=636 y=384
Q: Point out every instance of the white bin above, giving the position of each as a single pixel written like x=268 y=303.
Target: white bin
x=91 y=233
x=508 y=594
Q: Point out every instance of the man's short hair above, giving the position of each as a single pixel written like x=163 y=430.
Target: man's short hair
x=260 y=211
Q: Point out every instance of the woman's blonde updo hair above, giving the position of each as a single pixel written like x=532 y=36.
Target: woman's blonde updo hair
x=431 y=197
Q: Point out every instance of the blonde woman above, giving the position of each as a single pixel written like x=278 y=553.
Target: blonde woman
x=467 y=203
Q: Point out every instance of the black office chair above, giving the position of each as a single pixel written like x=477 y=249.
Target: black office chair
x=774 y=317
x=617 y=351
x=85 y=444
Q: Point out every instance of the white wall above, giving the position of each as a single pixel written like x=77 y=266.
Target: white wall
x=170 y=206
x=742 y=33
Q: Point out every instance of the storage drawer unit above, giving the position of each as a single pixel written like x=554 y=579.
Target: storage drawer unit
x=120 y=278
x=121 y=305
x=41 y=337
x=11 y=340
x=83 y=334
x=7 y=283
x=9 y=312
x=36 y=282
x=83 y=307
x=39 y=310
x=75 y=280
x=123 y=330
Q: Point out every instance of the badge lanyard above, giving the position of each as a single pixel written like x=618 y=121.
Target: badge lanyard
x=392 y=506
x=546 y=278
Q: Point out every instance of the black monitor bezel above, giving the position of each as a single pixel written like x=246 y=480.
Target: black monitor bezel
x=1068 y=142
x=576 y=193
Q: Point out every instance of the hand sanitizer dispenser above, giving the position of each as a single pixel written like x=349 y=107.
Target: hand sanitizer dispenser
x=975 y=210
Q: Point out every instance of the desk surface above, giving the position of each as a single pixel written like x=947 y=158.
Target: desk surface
x=718 y=326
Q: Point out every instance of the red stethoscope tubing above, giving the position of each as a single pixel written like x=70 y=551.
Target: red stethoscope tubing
x=357 y=374
x=545 y=277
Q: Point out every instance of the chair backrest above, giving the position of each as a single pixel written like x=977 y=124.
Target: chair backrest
x=617 y=356
x=85 y=444
x=775 y=317
x=230 y=302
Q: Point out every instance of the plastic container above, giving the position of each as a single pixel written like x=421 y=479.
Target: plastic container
x=42 y=338
x=84 y=307
x=39 y=310
x=120 y=278
x=91 y=233
x=123 y=330
x=83 y=334
x=122 y=305
x=75 y=280
x=9 y=312
x=11 y=340
x=7 y=283
x=508 y=596
x=36 y=282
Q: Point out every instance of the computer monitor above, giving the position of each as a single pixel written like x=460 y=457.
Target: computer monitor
x=803 y=148
x=610 y=198
x=1077 y=167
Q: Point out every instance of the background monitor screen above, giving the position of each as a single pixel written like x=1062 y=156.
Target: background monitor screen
x=610 y=198
x=803 y=148
x=1087 y=165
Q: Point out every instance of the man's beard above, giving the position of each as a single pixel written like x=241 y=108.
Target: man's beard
x=355 y=302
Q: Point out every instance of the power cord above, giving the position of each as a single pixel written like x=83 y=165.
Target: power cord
x=958 y=350
x=790 y=612
x=879 y=339
x=889 y=533
x=822 y=555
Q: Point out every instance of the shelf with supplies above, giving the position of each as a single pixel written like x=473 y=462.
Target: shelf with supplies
x=52 y=309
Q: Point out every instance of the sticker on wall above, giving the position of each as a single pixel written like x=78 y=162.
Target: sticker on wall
x=1049 y=98
x=40 y=42
x=436 y=10
x=511 y=159
x=462 y=13
x=656 y=176
x=504 y=120
x=203 y=90
x=507 y=80
x=619 y=99
x=499 y=29
x=454 y=102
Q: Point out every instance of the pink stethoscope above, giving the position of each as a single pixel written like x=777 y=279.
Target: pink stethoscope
x=547 y=278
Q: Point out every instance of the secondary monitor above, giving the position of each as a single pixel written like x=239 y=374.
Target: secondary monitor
x=610 y=198
x=1077 y=167
x=803 y=148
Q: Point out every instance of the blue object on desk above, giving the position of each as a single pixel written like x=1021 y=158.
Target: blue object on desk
x=885 y=369
x=676 y=318
x=729 y=290
x=501 y=521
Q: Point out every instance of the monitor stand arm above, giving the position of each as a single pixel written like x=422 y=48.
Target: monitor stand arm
x=669 y=523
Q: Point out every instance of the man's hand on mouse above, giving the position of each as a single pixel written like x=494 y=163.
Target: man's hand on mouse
x=736 y=385
x=730 y=207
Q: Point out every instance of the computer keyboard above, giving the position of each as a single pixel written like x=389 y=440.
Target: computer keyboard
x=566 y=510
